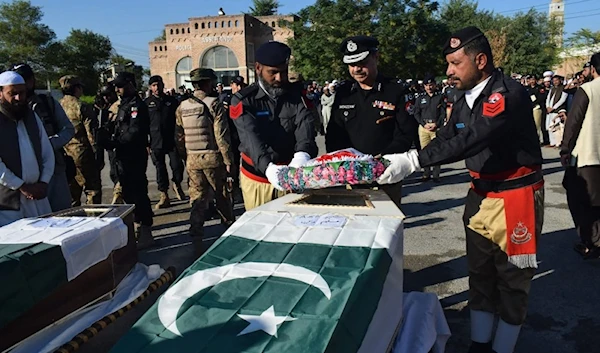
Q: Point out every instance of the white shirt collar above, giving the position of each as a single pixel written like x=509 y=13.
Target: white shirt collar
x=472 y=94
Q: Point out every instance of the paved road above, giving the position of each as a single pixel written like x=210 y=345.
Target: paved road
x=564 y=302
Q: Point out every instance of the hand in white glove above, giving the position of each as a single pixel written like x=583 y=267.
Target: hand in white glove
x=271 y=173
x=300 y=158
x=401 y=166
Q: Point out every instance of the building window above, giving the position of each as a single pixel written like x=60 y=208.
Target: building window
x=165 y=48
x=160 y=48
x=236 y=23
x=184 y=66
x=182 y=30
x=155 y=49
x=273 y=24
x=195 y=26
x=216 y=24
x=222 y=24
x=223 y=61
x=229 y=24
x=171 y=30
x=209 y=24
x=188 y=29
x=203 y=26
x=177 y=31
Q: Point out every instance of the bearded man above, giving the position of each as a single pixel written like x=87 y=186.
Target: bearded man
x=26 y=155
x=274 y=123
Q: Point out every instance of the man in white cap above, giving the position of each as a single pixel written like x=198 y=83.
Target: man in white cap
x=24 y=171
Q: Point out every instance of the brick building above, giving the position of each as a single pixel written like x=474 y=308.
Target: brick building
x=223 y=43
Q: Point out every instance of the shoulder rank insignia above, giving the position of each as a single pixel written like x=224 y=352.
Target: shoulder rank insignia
x=494 y=106
x=235 y=111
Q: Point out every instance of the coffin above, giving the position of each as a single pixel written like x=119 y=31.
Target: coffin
x=316 y=272
x=37 y=289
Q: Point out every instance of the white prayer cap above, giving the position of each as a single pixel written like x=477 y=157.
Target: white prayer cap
x=547 y=79
x=548 y=74
x=8 y=78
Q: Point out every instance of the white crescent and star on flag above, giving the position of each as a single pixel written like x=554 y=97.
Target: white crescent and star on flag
x=174 y=298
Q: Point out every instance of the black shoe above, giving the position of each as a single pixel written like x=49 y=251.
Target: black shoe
x=592 y=253
x=477 y=347
x=437 y=180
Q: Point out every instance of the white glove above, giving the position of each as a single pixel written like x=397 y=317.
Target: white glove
x=271 y=173
x=300 y=158
x=401 y=166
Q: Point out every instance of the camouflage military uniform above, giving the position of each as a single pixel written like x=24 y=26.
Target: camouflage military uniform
x=80 y=149
x=202 y=133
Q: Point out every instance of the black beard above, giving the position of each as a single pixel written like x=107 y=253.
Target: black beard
x=272 y=91
x=15 y=111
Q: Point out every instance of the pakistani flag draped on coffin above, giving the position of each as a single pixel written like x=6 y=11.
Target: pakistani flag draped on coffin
x=285 y=282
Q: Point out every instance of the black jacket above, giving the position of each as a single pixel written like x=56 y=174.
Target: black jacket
x=162 y=121
x=537 y=96
x=496 y=139
x=430 y=109
x=272 y=130
x=130 y=138
x=373 y=122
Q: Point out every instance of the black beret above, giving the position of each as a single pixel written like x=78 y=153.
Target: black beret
x=123 y=78
x=357 y=48
x=585 y=66
x=24 y=70
x=273 y=54
x=238 y=80
x=461 y=38
x=429 y=79
x=155 y=79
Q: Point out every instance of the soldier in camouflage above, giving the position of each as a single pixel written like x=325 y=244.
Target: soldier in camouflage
x=202 y=134
x=81 y=147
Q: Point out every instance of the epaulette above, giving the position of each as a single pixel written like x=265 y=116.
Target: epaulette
x=245 y=92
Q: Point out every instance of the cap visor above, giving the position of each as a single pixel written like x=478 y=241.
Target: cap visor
x=350 y=59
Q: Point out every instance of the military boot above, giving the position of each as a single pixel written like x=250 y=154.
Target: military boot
x=144 y=237
x=179 y=192
x=164 y=201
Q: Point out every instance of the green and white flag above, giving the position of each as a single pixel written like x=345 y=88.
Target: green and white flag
x=279 y=282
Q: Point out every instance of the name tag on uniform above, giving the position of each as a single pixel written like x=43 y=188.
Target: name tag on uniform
x=347 y=106
x=263 y=113
x=384 y=105
x=460 y=125
x=423 y=101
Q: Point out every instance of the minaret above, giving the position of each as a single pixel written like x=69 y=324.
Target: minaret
x=557 y=13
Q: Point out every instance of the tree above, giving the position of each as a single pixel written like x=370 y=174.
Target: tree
x=23 y=38
x=163 y=36
x=584 y=37
x=129 y=65
x=264 y=7
x=409 y=34
x=85 y=54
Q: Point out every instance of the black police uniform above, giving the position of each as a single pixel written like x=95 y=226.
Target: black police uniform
x=430 y=109
x=372 y=121
x=271 y=130
x=129 y=139
x=162 y=139
x=539 y=93
x=498 y=140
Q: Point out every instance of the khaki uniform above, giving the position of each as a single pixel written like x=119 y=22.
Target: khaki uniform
x=80 y=148
x=202 y=134
x=425 y=137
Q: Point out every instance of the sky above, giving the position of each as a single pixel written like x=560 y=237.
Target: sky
x=131 y=24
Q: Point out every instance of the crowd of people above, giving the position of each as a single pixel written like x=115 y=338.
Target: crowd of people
x=494 y=122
